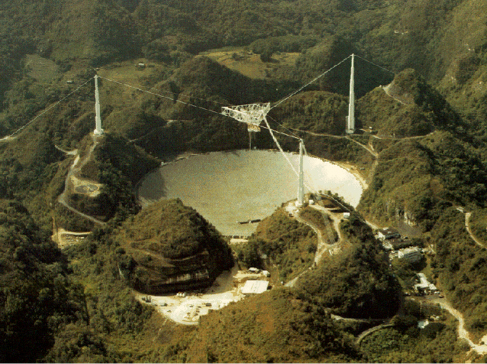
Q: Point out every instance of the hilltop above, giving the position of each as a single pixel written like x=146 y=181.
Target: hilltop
x=168 y=247
x=406 y=107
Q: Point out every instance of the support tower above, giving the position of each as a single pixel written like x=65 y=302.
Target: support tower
x=98 y=128
x=351 y=102
x=301 y=175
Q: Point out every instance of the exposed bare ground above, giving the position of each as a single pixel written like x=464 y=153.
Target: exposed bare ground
x=250 y=64
x=388 y=91
x=187 y=310
x=368 y=147
x=65 y=238
x=323 y=248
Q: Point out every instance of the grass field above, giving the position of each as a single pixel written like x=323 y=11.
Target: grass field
x=42 y=69
x=250 y=64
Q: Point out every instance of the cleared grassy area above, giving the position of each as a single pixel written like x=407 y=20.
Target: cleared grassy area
x=130 y=73
x=249 y=64
x=42 y=69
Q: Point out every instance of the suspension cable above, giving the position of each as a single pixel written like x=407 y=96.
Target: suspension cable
x=280 y=148
x=375 y=64
x=46 y=110
x=159 y=95
x=310 y=82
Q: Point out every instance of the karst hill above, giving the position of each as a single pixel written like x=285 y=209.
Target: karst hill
x=168 y=247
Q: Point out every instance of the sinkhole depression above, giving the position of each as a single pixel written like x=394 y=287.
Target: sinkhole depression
x=235 y=186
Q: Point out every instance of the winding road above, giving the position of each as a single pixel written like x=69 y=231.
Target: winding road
x=75 y=169
x=323 y=246
x=468 y=215
x=462 y=331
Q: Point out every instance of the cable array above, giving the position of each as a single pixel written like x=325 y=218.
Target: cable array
x=159 y=95
x=46 y=110
x=173 y=99
x=375 y=64
x=309 y=83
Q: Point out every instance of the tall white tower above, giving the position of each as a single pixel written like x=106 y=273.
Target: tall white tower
x=98 y=128
x=301 y=175
x=351 y=101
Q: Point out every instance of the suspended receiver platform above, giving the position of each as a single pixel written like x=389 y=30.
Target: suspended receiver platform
x=251 y=114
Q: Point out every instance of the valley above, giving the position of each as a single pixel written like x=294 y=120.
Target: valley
x=166 y=216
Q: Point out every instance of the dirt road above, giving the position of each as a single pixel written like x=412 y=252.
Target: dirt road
x=462 y=331
x=468 y=215
x=71 y=174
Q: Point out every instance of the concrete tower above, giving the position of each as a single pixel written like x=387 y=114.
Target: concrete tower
x=351 y=102
x=98 y=128
x=301 y=175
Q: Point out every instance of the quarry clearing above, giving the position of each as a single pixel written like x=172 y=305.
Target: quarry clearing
x=187 y=309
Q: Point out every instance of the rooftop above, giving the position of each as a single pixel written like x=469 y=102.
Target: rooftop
x=255 y=287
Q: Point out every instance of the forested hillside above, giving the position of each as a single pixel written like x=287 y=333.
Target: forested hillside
x=166 y=69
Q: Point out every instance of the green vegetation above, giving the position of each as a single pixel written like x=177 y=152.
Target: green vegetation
x=357 y=282
x=319 y=112
x=416 y=180
x=289 y=245
x=168 y=240
x=406 y=342
x=459 y=267
x=37 y=297
x=75 y=305
x=478 y=224
x=322 y=222
x=275 y=326
x=115 y=317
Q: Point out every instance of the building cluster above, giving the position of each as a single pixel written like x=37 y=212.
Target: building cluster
x=393 y=242
x=424 y=286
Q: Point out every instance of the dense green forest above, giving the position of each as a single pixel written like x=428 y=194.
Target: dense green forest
x=357 y=283
x=420 y=146
x=167 y=240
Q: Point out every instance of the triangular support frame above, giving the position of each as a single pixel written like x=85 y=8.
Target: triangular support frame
x=251 y=114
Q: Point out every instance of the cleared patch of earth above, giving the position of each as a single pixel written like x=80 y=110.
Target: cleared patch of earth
x=187 y=310
x=42 y=69
x=64 y=238
x=250 y=64
x=231 y=188
x=84 y=187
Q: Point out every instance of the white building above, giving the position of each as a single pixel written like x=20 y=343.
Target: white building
x=424 y=285
x=254 y=287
